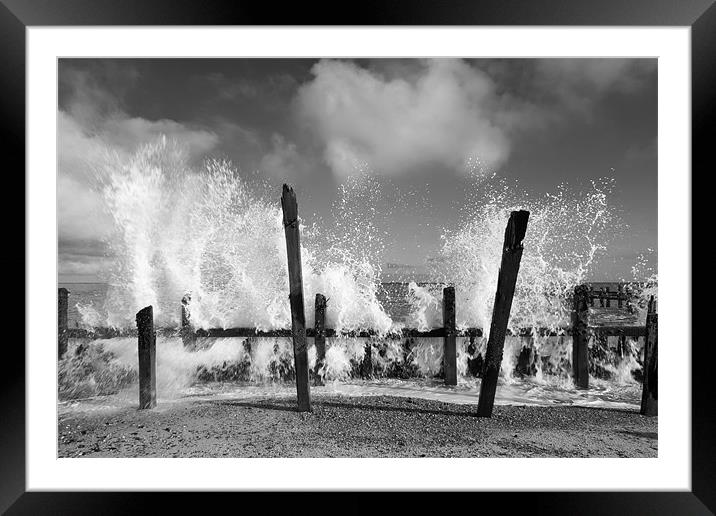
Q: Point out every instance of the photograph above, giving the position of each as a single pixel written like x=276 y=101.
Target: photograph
x=357 y=257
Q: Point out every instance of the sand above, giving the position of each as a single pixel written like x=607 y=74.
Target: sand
x=344 y=426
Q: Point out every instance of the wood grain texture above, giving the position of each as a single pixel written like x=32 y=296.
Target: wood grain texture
x=295 y=280
x=506 y=282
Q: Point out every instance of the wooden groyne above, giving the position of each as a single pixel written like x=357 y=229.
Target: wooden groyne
x=581 y=328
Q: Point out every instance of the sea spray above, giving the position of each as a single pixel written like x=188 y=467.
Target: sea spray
x=567 y=229
x=204 y=231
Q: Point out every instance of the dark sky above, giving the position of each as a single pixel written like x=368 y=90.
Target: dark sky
x=413 y=123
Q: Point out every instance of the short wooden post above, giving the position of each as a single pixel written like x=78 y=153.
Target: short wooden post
x=295 y=280
x=621 y=346
x=147 y=341
x=607 y=295
x=366 y=367
x=601 y=297
x=620 y=295
x=449 y=347
x=580 y=337
x=320 y=339
x=188 y=336
x=506 y=282
x=649 y=398
x=62 y=302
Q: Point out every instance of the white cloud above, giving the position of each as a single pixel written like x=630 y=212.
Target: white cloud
x=93 y=126
x=446 y=114
x=445 y=111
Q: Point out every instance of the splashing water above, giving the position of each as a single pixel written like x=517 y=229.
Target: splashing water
x=203 y=230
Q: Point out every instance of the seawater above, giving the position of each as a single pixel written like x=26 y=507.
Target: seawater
x=181 y=228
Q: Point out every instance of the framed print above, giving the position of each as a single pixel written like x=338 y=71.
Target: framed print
x=426 y=247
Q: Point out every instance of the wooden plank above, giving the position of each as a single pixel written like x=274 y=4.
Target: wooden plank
x=295 y=280
x=449 y=346
x=219 y=333
x=147 y=341
x=320 y=339
x=506 y=281
x=649 y=397
x=188 y=336
x=580 y=337
x=616 y=331
x=62 y=334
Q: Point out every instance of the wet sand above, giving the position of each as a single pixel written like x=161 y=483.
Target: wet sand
x=347 y=426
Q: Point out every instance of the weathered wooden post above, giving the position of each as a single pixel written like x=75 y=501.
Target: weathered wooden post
x=607 y=294
x=320 y=339
x=188 y=336
x=62 y=302
x=621 y=346
x=295 y=280
x=620 y=295
x=506 y=281
x=449 y=348
x=147 y=341
x=580 y=337
x=649 y=398
x=366 y=367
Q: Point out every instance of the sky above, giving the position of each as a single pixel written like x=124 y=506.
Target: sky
x=422 y=129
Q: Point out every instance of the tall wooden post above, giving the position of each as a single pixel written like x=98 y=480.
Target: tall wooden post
x=295 y=280
x=320 y=339
x=649 y=398
x=580 y=337
x=62 y=302
x=147 y=341
x=449 y=348
x=188 y=336
x=506 y=282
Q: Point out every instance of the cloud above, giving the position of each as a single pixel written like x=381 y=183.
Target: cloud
x=393 y=117
x=447 y=113
x=284 y=161
x=91 y=124
x=577 y=84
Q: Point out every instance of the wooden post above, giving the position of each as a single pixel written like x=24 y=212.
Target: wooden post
x=580 y=337
x=449 y=347
x=295 y=280
x=62 y=302
x=620 y=295
x=320 y=339
x=147 y=341
x=607 y=294
x=649 y=398
x=366 y=367
x=621 y=346
x=188 y=336
x=506 y=281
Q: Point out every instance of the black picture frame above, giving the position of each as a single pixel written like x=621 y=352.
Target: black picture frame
x=17 y=15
